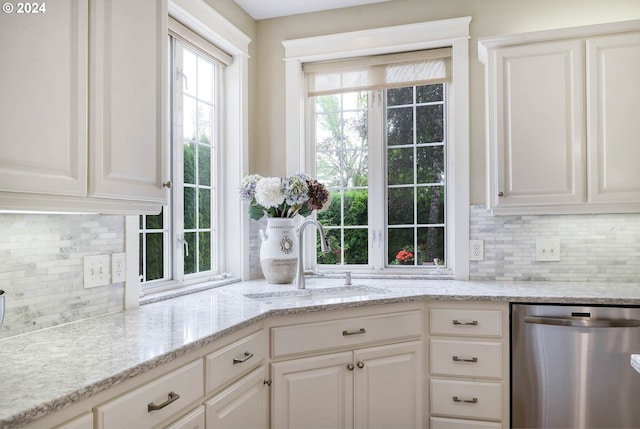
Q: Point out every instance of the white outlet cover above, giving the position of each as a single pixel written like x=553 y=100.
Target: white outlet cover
x=547 y=249
x=118 y=267
x=476 y=250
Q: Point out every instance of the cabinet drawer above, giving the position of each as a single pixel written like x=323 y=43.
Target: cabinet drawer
x=442 y=423
x=466 y=322
x=234 y=360
x=466 y=358
x=473 y=399
x=344 y=332
x=172 y=393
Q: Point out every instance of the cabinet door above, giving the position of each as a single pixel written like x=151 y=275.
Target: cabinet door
x=193 y=420
x=43 y=106
x=540 y=154
x=388 y=386
x=128 y=99
x=613 y=97
x=315 y=392
x=244 y=404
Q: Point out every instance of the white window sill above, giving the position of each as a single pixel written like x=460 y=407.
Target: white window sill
x=151 y=296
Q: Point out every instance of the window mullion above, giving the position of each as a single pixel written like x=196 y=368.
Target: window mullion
x=177 y=215
x=377 y=180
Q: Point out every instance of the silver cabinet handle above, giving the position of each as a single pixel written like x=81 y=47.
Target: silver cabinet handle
x=358 y=332
x=167 y=185
x=173 y=396
x=350 y=367
x=360 y=365
x=472 y=323
x=501 y=194
x=583 y=323
x=244 y=358
x=472 y=360
x=465 y=401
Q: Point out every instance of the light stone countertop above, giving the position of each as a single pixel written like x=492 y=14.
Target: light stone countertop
x=46 y=370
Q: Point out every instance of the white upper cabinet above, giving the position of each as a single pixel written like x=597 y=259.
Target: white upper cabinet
x=43 y=106
x=613 y=99
x=128 y=89
x=562 y=109
x=84 y=107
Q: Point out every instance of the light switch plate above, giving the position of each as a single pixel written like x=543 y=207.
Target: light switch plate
x=547 y=249
x=96 y=271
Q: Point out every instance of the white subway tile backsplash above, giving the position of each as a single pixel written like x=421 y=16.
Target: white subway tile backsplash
x=598 y=247
x=41 y=268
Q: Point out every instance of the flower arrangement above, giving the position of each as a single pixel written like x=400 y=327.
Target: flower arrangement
x=404 y=257
x=282 y=196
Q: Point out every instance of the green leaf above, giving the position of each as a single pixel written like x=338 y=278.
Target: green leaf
x=256 y=212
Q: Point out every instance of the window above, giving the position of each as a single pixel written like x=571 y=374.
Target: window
x=405 y=128
x=180 y=245
x=394 y=152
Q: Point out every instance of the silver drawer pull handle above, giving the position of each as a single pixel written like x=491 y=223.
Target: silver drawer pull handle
x=472 y=360
x=465 y=401
x=473 y=323
x=173 y=396
x=358 y=332
x=244 y=358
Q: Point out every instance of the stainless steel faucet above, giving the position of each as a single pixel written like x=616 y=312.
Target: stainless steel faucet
x=324 y=244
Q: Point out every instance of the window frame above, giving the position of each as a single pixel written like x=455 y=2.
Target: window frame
x=211 y=26
x=452 y=33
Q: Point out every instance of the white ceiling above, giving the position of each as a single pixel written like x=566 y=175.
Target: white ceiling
x=264 y=9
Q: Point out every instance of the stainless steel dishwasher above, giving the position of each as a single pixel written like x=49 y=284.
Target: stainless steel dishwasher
x=570 y=367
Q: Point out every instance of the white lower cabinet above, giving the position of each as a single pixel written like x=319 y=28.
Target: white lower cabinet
x=369 y=387
x=150 y=404
x=193 y=420
x=243 y=405
x=468 y=361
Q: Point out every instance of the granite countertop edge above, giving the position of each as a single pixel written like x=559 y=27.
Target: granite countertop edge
x=254 y=312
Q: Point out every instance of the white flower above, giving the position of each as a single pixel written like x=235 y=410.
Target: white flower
x=269 y=192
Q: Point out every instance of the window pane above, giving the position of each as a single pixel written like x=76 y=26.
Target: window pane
x=190 y=255
x=356 y=245
x=189 y=118
x=430 y=123
x=332 y=215
x=400 y=166
x=205 y=80
x=431 y=205
x=204 y=251
x=328 y=169
x=205 y=123
x=356 y=207
x=189 y=208
x=334 y=255
x=429 y=93
x=400 y=239
x=204 y=165
x=430 y=164
x=400 y=206
x=431 y=244
x=400 y=126
x=189 y=164
x=399 y=96
x=154 y=256
x=204 y=208
x=189 y=70
x=154 y=221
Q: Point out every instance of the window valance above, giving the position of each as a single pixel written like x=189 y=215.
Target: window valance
x=378 y=72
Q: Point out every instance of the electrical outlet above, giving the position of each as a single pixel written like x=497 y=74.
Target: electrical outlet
x=476 y=250
x=118 y=267
x=547 y=249
x=96 y=271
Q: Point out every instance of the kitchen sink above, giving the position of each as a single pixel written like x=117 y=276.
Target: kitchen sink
x=327 y=295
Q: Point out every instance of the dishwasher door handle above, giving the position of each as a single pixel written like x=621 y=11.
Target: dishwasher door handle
x=583 y=323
